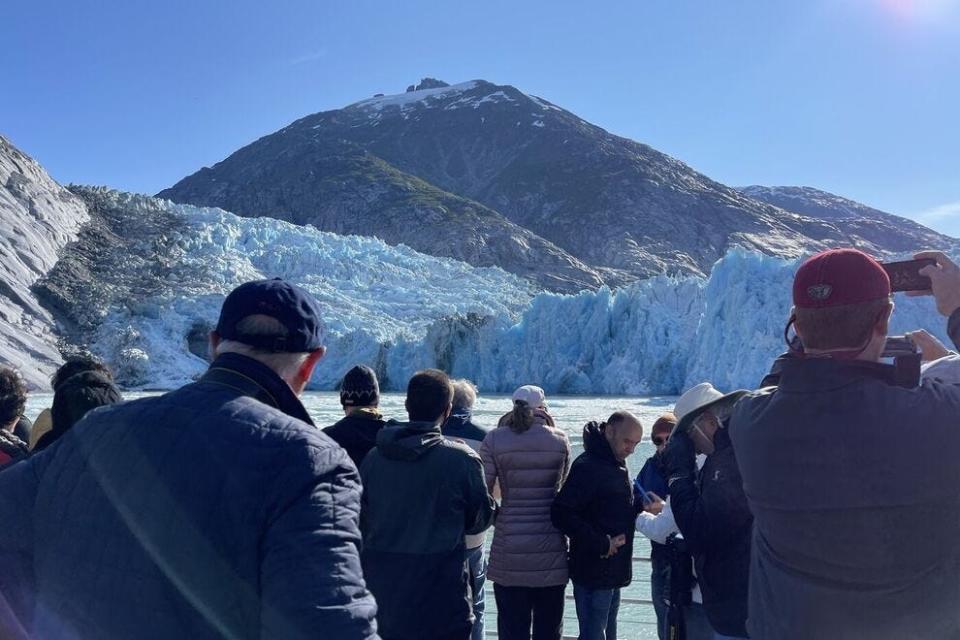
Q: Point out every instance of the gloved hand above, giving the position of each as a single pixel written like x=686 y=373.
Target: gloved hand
x=678 y=458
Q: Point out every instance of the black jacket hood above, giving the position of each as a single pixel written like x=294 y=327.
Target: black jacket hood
x=595 y=443
x=408 y=440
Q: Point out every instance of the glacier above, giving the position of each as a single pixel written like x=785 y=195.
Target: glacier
x=399 y=311
x=139 y=281
x=374 y=295
x=656 y=337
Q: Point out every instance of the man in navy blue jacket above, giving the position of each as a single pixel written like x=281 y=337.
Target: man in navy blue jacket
x=851 y=471
x=214 y=511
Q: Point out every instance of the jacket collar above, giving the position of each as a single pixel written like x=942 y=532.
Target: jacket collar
x=255 y=380
x=805 y=375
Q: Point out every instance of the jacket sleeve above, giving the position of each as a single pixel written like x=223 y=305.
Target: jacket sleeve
x=567 y=513
x=18 y=492
x=953 y=328
x=310 y=576
x=490 y=471
x=711 y=519
x=657 y=527
x=565 y=472
x=478 y=513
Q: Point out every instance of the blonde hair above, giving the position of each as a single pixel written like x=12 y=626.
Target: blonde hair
x=464 y=393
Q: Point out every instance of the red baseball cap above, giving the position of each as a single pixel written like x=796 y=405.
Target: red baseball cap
x=839 y=277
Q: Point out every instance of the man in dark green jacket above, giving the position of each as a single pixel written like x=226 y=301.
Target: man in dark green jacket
x=422 y=494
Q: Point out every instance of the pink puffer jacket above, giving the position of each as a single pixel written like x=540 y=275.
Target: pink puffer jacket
x=527 y=551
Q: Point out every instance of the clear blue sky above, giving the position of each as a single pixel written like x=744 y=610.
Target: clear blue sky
x=858 y=97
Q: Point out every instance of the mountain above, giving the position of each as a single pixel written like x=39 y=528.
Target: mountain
x=342 y=188
x=38 y=218
x=615 y=209
x=873 y=230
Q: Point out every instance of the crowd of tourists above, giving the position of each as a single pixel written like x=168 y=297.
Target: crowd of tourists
x=823 y=504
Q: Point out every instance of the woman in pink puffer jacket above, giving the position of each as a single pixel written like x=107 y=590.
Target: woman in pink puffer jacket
x=528 y=458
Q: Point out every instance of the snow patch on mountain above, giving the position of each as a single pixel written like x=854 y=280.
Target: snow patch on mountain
x=413 y=98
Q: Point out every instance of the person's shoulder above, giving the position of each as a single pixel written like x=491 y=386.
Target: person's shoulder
x=458 y=450
x=557 y=434
x=464 y=429
x=336 y=427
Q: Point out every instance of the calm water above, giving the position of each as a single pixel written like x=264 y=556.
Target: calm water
x=570 y=413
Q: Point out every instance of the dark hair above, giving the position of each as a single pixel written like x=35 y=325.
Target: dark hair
x=78 y=394
x=664 y=424
x=842 y=327
x=617 y=417
x=520 y=418
x=78 y=364
x=13 y=395
x=429 y=394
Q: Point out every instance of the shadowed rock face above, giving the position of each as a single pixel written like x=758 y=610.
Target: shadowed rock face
x=490 y=175
x=870 y=229
x=340 y=187
x=38 y=218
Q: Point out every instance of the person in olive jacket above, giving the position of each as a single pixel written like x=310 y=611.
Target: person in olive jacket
x=594 y=508
x=422 y=493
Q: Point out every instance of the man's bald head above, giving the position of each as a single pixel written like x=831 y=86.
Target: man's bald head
x=623 y=432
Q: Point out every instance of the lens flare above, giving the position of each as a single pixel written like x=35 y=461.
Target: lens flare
x=920 y=10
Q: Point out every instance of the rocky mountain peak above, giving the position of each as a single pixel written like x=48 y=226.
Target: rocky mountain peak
x=427 y=83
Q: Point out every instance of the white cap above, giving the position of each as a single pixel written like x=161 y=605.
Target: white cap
x=695 y=398
x=530 y=394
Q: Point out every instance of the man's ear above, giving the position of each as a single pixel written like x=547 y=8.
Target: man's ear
x=305 y=372
x=446 y=414
x=883 y=324
x=213 y=343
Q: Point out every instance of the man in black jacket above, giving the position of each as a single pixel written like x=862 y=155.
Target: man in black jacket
x=594 y=508
x=710 y=507
x=422 y=493
x=852 y=477
x=360 y=398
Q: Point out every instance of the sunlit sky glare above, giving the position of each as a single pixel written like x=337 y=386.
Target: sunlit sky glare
x=857 y=97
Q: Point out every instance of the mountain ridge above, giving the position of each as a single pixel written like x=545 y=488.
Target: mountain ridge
x=603 y=208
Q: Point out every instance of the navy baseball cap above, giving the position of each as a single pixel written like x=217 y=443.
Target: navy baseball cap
x=296 y=309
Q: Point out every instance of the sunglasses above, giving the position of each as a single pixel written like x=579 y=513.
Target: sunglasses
x=659 y=440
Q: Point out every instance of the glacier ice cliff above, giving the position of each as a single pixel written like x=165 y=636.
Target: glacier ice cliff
x=158 y=290
x=398 y=311
x=140 y=282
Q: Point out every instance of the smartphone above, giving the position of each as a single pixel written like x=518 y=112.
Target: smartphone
x=898 y=346
x=905 y=276
x=643 y=492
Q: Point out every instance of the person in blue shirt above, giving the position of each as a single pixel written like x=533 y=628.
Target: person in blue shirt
x=650 y=488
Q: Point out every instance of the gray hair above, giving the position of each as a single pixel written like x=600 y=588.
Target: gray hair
x=464 y=393
x=284 y=364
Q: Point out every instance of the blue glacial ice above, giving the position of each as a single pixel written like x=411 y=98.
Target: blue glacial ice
x=398 y=311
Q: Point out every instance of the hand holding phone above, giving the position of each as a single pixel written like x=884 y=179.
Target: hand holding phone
x=944 y=276
x=906 y=276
